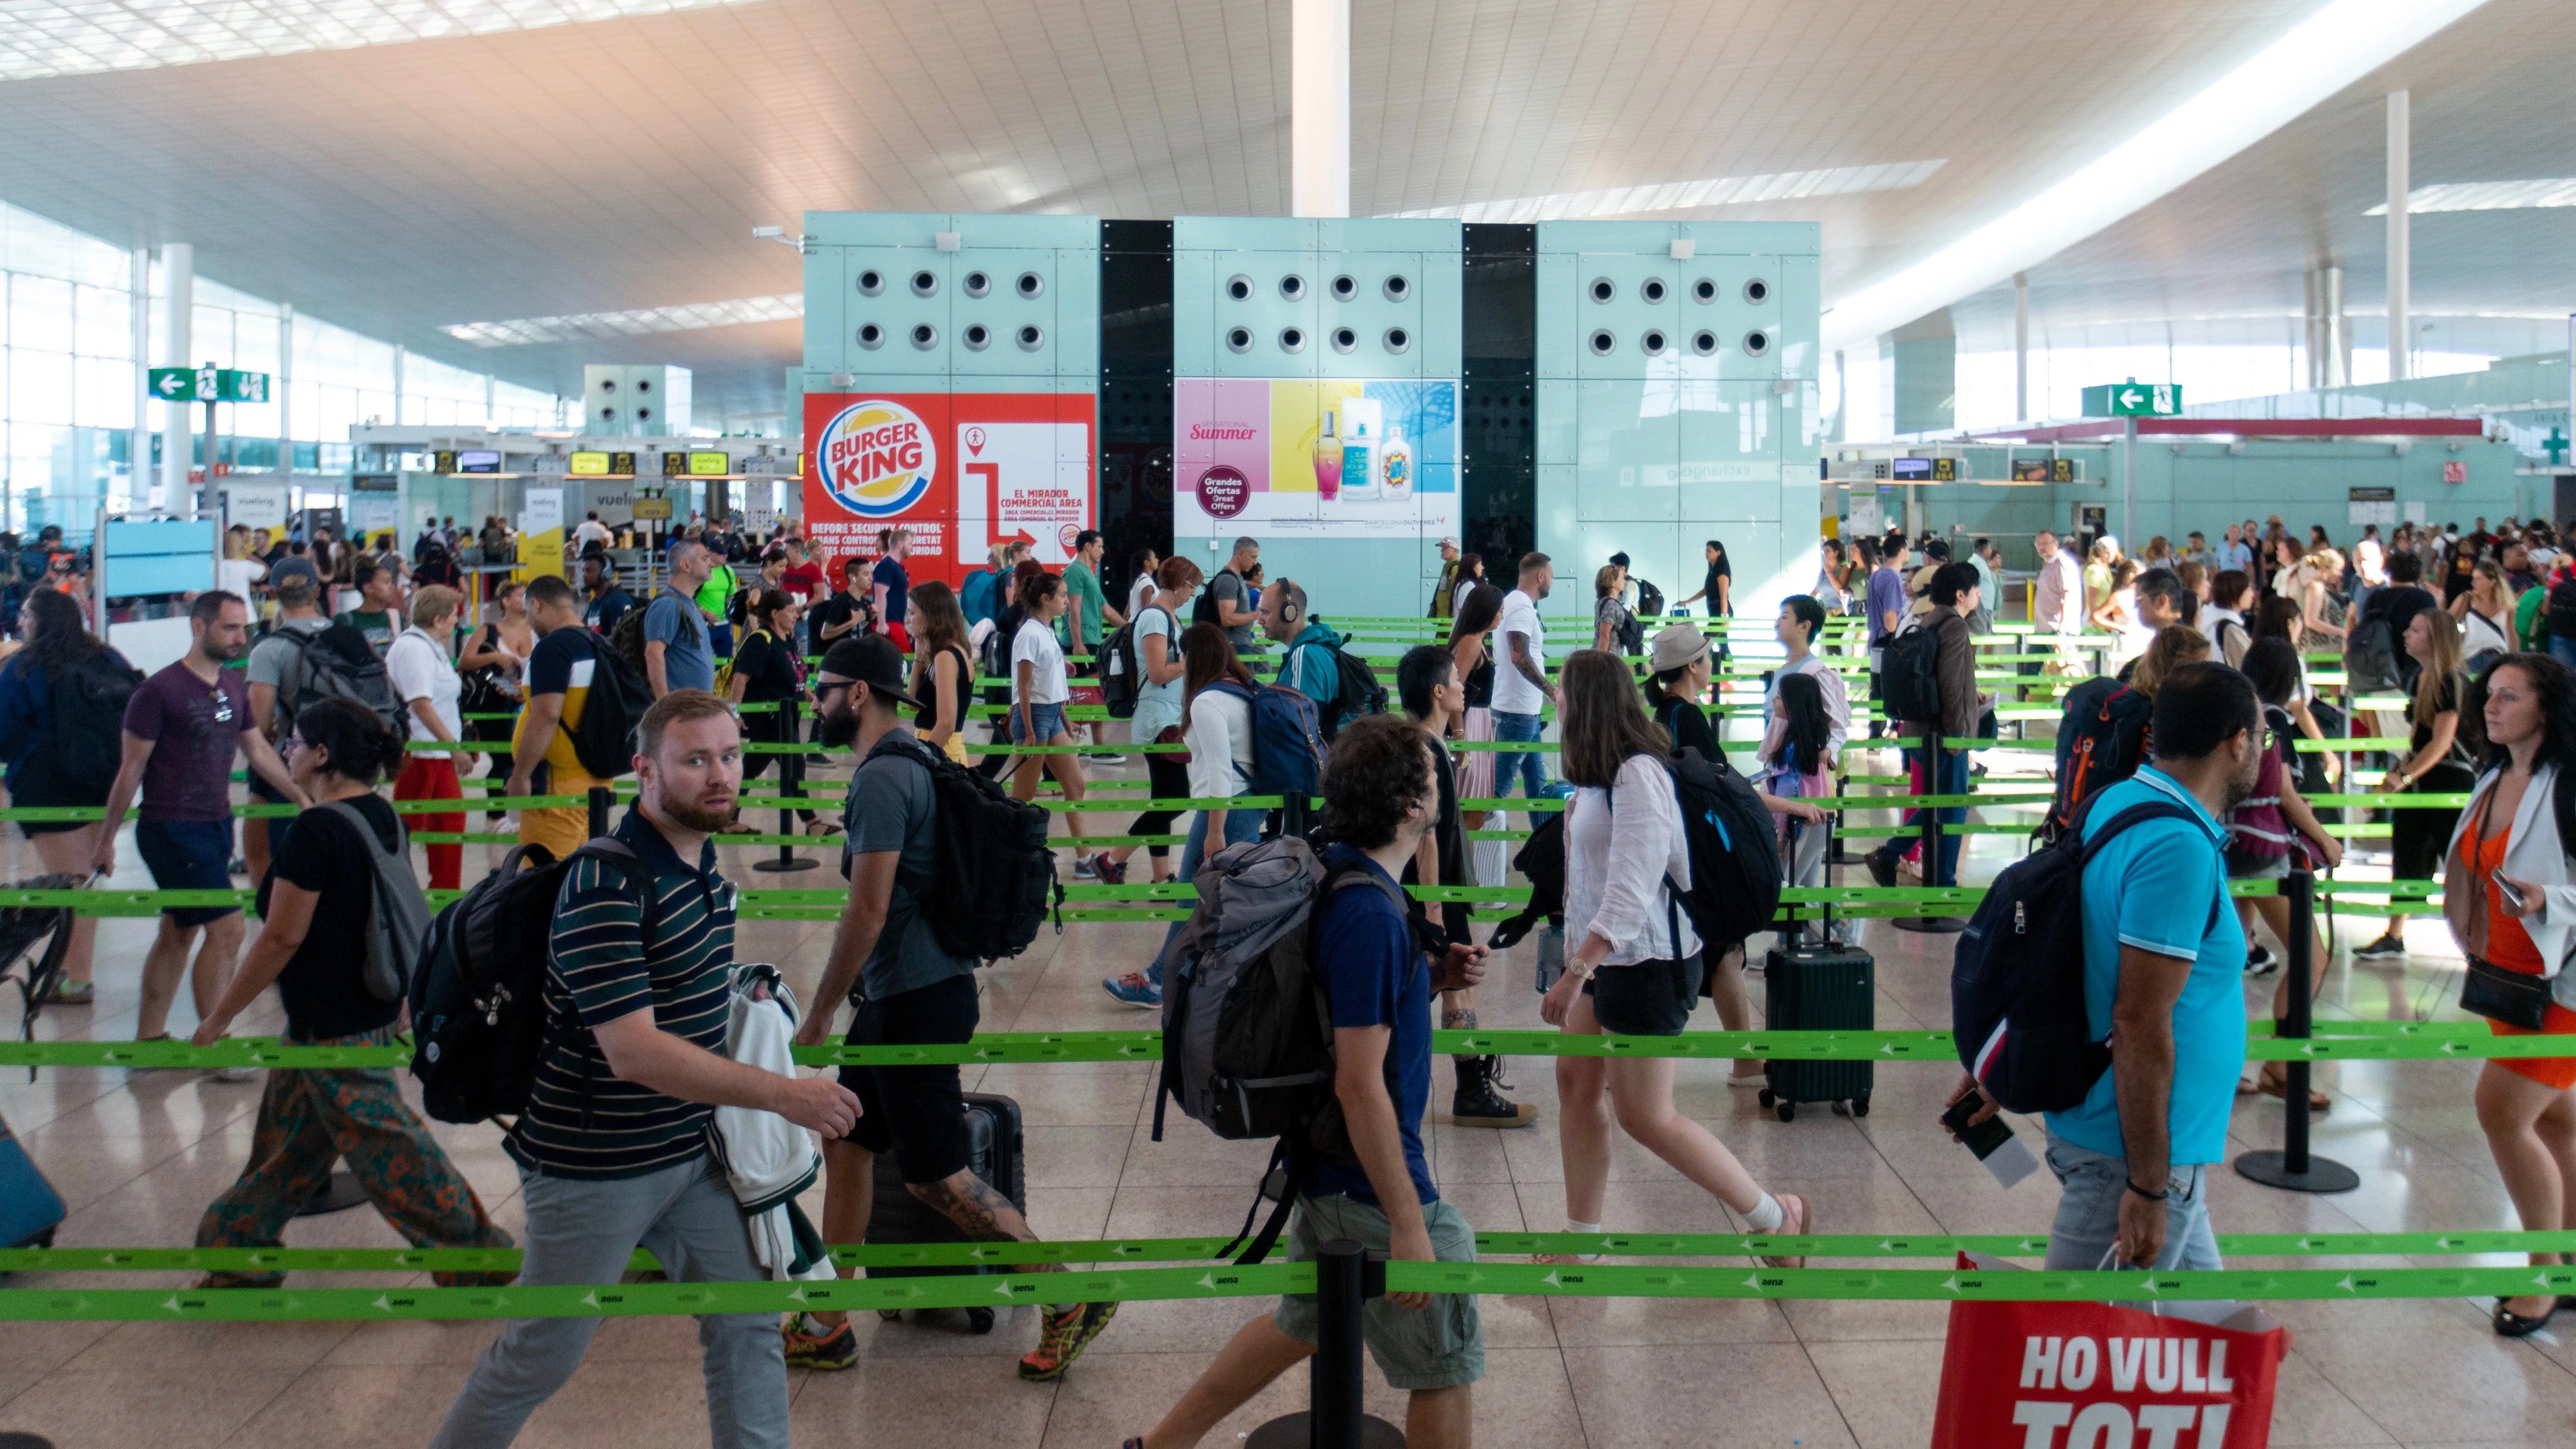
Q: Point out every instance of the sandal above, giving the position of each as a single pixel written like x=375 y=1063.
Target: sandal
x=66 y=992
x=2277 y=1084
x=1796 y=1221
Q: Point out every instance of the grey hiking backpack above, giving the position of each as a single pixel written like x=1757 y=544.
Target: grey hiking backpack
x=398 y=920
x=1247 y=1030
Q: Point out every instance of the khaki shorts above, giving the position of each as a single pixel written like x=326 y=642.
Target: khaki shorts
x=1439 y=1347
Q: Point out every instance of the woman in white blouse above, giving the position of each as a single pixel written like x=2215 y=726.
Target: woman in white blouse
x=426 y=682
x=1216 y=724
x=1039 y=694
x=1636 y=971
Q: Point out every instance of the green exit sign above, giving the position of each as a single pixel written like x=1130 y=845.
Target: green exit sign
x=2133 y=400
x=207 y=384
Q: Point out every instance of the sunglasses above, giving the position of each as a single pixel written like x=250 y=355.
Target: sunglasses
x=223 y=705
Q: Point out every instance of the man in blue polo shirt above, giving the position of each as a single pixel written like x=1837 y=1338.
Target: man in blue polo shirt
x=2164 y=961
x=1380 y=797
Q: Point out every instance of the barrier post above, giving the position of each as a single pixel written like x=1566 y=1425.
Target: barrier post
x=599 y=803
x=1931 y=821
x=791 y=784
x=1345 y=1279
x=2294 y=1169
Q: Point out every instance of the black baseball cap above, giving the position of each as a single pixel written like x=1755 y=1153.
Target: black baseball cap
x=868 y=659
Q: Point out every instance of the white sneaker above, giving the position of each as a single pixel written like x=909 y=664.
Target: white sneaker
x=239 y=1074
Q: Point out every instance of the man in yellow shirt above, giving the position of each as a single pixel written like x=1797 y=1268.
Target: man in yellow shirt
x=558 y=687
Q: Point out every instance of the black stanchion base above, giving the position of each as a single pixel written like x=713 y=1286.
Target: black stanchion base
x=338 y=1195
x=15 y=1439
x=1290 y=1432
x=1930 y=925
x=790 y=864
x=2272 y=1169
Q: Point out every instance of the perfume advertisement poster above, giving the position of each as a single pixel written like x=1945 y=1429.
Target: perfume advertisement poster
x=1341 y=458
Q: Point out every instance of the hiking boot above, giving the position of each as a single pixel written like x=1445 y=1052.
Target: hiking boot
x=1066 y=1331
x=812 y=1345
x=1477 y=1104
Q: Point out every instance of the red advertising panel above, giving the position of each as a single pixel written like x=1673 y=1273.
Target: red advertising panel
x=962 y=471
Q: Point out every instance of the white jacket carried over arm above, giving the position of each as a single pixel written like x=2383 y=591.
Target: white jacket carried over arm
x=767 y=1159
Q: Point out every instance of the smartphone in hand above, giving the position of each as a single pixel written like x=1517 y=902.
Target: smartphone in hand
x=1991 y=1140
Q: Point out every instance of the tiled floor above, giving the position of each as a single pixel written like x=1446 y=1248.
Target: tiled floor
x=139 y=1155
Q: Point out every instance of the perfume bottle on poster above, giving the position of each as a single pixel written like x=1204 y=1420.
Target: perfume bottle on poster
x=1395 y=466
x=1361 y=429
x=1328 y=459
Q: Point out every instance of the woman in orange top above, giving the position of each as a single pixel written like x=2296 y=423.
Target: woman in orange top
x=2506 y=891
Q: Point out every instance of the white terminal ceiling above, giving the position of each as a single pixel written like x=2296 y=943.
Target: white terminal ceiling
x=581 y=176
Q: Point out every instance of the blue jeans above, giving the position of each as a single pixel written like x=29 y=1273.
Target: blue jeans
x=2088 y=1212
x=1240 y=826
x=1953 y=781
x=1531 y=766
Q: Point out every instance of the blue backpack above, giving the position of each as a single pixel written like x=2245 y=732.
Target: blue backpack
x=1287 y=742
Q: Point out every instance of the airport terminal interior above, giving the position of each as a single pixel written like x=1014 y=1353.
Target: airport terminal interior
x=1708 y=495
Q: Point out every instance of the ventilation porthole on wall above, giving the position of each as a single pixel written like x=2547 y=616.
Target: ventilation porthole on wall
x=607 y=415
x=872 y=336
x=1652 y=289
x=925 y=336
x=643 y=415
x=1238 y=339
x=1344 y=339
x=1603 y=289
x=643 y=384
x=1704 y=343
x=1031 y=338
x=1292 y=339
x=977 y=284
x=1757 y=291
x=1704 y=290
x=1653 y=341
x=1397 y=339
x=977 y=337
x=1397 y=288
x=1603 y=343
x=1031 y=285
x=871 y=282
x=1239 y=287
x=1345 y=288
x=608 y=384
x=925 y=283
x=1292 y=286
x=1756 y=342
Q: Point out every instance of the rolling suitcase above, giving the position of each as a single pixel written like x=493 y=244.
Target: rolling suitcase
x=996 y=1154
x=30 y=1209
x=1819 y=986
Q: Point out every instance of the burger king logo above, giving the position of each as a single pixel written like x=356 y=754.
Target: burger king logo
x=877 y=457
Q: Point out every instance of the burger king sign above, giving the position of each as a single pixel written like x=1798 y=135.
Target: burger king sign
x=877 y=457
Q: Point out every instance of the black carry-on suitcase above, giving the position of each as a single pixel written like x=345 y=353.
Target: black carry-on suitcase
x=1819 y=986
x=995 y=1153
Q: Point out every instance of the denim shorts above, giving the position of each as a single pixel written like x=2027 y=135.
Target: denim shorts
x=2088 y=1211
x=1439 y=1347
x=188 y=855
x=1046 y=719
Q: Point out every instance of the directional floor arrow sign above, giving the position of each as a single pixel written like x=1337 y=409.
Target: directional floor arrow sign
x=2133 y=399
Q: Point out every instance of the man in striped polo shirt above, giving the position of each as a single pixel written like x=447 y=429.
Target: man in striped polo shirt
x=612 y=1150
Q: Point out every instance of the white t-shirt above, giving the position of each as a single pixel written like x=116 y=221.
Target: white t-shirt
x=1220 y=732
x=1035 y=644
x=1514 y=694
x=591 y=530
x=1140 y=595
x=418 y=669
x=236 y=575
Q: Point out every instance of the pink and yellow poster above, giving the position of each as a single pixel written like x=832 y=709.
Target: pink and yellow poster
x=1342 y=458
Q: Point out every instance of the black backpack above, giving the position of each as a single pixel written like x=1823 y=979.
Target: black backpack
x=84 y=744
x=2017 y=975
x=1122 y=670
x=2370 y=656
x=1735 y=866
x=2101 y=740
x=1541 y=860
x=1358 y=691
x=1204 y=611
x=993 y=661
x=478 y=1006
x=1650 y=601
x=619 y=695
x=1910 y=673
x=338 y=663
x=2559 y=609
x=992 y=881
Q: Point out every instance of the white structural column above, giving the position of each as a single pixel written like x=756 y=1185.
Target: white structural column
x=138 y=444
x=2401 y=326
x=2021 y=347
x=178 y=304
x=286 y=399
x=1319 y=107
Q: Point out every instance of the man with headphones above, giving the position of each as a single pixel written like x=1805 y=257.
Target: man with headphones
x=1309 y=666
